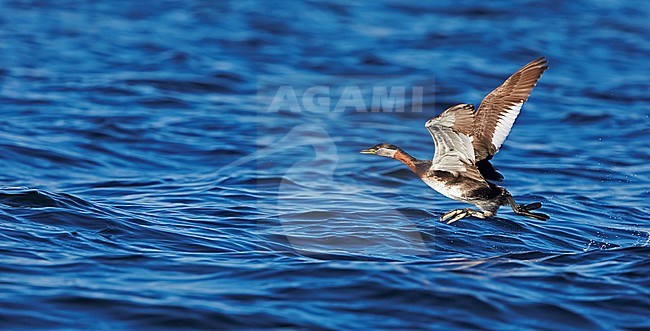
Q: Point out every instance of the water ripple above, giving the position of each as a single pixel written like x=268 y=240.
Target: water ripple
x=145 y=183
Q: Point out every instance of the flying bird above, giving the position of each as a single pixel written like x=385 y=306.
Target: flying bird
x=465 y=141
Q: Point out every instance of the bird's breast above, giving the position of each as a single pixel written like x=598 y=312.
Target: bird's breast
x=447 y=188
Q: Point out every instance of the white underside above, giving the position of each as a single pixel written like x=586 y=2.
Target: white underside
x=456 y=192
x=450 y=191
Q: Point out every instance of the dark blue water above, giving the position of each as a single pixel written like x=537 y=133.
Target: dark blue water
x=144 y=182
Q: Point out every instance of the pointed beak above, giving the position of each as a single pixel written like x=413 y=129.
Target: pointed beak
x=368 y=151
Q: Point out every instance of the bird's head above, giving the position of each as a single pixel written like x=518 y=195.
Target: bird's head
x=383 y=149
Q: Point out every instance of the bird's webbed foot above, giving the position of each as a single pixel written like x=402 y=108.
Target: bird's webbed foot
x=525 y=210
x=458 y=214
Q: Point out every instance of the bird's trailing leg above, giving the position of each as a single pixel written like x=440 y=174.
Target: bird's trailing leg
x=525 y=210
x=459 y=214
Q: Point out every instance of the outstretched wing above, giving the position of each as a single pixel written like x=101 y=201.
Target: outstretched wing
x=453 y=145
x=498 y=111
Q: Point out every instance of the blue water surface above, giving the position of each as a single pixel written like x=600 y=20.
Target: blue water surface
x=146 y=182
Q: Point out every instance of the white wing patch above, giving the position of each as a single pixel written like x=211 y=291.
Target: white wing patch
x=504 y=124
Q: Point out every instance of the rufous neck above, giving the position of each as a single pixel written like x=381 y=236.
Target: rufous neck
x=405 y=158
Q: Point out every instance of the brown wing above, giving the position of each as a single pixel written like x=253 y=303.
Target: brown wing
x=461 y=119
x=453 y=144
x=454 y=152
x=498 y=111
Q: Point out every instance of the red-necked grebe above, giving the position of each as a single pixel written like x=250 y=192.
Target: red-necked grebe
x=465 y=142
